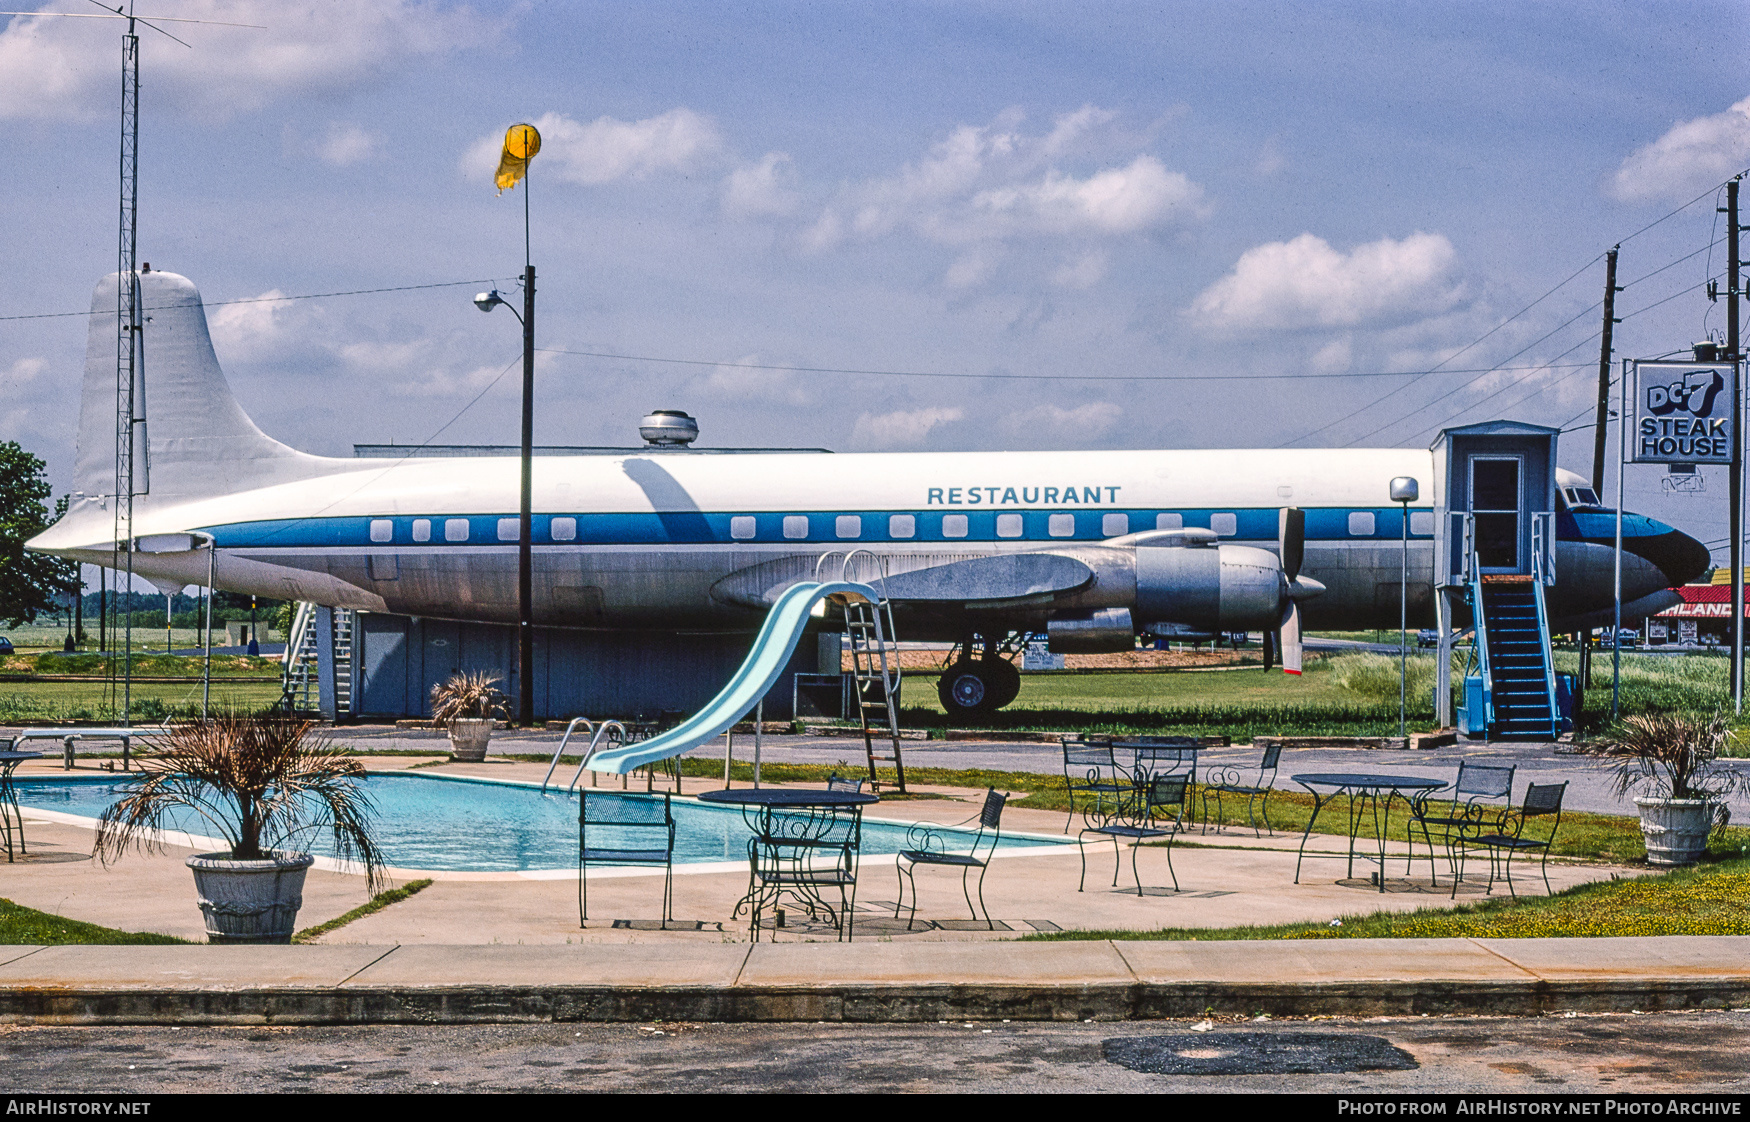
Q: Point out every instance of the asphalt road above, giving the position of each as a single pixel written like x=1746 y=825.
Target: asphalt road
x=1693 y=1053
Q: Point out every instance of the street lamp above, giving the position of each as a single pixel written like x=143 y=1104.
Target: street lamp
x=1404 y=490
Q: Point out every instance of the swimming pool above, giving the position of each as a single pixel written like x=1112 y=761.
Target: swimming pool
x=457 y=824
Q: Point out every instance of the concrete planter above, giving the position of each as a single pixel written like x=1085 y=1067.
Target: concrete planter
x=468 y=737
x=250 y=901
x=1676 y=829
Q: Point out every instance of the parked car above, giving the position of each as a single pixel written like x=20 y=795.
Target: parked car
x=5 y=645
x=1428 y=637
x=1628 y=637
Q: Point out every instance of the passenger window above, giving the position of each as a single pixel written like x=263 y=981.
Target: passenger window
x=741 y=527
x=563 y=530
x=1169 y=521
x=422 y=529
x=1421 y=522
x=1008 y=525
x=795 y=525
x=382 y=530
x=1361 y=523
x=455 y=529
x=1226 y=525
x=849 y=526
x=1114 y=525
x=953 y=525
x=1061 y=525
x=902 y=526
x=510 y=529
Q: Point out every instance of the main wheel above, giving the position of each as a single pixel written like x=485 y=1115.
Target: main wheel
x=965 y=690
x=1002 y=679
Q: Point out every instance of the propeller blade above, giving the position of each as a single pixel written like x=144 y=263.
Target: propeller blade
x=1291 y=540
x=1269 y=648
x=1289 y=634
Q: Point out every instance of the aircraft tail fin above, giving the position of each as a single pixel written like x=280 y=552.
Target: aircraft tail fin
x=197 y=438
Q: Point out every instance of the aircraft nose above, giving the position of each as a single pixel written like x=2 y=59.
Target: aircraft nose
x=1680 y=557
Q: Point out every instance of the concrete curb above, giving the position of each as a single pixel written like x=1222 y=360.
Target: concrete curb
x=875 y=982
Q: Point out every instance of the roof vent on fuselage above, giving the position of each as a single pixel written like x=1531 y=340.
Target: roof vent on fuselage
x=669 y=428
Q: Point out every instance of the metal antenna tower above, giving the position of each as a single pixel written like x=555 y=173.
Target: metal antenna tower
x=131 y=444
x=129 y=364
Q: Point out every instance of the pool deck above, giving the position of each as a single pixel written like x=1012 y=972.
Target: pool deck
x=482 y=947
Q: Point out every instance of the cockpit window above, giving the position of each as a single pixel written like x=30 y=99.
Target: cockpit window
x=1580 y=496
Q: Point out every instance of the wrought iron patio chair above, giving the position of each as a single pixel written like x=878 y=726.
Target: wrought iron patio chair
x=1473 y=805
x=1091 y=772
x=627 y=830
x=1231 y=780
x=926 y=846
x=806 y=857
x=1138 y=820
x=1542 y=800
x=840 y=783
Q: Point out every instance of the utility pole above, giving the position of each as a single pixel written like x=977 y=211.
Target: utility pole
x=1734 y=289
x=1610 y=321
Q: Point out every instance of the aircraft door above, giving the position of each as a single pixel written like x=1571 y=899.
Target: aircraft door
x=1497 y=503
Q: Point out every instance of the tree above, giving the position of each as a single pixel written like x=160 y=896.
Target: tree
x=29 y=582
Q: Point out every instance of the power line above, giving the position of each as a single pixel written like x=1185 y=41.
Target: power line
x=1003 y=377
x=275 y=299
x=1399 y=389
x=1473 y=343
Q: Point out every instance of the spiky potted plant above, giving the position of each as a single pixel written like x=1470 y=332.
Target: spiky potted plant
x=466 y=706
x=1674 y=758
x=268 y=786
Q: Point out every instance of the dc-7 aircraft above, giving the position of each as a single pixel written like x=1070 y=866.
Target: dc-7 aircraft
x=1089 y=548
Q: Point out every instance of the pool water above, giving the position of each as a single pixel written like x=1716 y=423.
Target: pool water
x=437 y=822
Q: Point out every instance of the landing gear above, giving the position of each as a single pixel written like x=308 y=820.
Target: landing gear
x=978 y=687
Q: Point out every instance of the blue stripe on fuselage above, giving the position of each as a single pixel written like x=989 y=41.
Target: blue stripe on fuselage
x=819 y=527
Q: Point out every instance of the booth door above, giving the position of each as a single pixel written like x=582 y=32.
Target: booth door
x=1497 y=506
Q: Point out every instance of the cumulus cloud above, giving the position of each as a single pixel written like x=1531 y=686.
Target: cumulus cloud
x=64 y=69
x=760 y=190
x=986 y=184
x=1080 y=422
x=346 y=144
x=248 y=331
x=902 y=427
x=607 y=149
x=1306 y=283
x=1691 y=157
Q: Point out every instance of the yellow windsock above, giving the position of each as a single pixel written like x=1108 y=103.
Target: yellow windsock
x=521 y=142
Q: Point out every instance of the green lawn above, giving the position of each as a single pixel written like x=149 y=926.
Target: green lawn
x=48 y=702
x=1705 y=900
x=21 y=925
x=1352 y=694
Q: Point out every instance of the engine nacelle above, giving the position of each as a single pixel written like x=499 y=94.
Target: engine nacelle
x=1101 y=632
x=1219 y=588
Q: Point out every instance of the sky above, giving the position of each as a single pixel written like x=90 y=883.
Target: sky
x=1053 y=225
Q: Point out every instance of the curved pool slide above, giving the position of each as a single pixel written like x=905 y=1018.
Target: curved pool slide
x=771 y=652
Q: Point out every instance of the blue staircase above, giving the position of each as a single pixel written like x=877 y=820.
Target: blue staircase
x=1518 y=681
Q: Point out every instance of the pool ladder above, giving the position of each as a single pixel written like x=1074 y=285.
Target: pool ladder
x=615 y=733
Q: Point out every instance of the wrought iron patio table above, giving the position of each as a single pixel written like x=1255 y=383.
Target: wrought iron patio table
x=1364 y=790
x=11 y=817
x=791 y=829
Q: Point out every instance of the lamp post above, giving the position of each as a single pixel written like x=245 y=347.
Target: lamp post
x=521 y=143
x=486 y=301
x=1405 y=491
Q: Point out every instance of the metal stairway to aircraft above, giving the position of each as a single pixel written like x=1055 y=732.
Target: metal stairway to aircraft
x=301 y=685
x=1514 y=664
